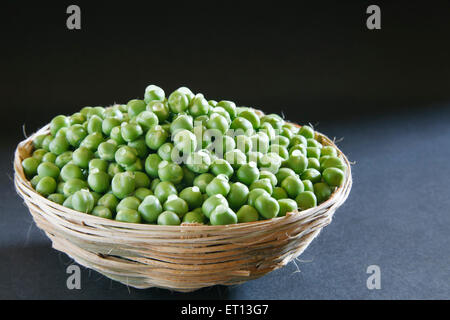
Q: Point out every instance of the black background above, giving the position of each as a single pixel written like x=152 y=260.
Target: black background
x=386 y=91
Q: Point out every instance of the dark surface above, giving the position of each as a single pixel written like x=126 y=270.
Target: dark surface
x=386 y=91
x=396 y=217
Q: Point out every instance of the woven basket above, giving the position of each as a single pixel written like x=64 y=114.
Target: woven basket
x=182 y=258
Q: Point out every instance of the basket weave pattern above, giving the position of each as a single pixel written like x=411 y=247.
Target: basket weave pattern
x=182 y=258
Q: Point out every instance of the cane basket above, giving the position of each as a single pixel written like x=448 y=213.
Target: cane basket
x=182 y=258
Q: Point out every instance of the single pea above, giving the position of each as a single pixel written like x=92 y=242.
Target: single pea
x=271 y=162
x=107 y=150
x=140 y=146
x=252 y=117
x=194 y=217
x=63 y=159
x=306 y=200
x=199 y=106
x=153 y=93
x=313 y=163
x=333 y=162
x=177 y=205
x=307 y=132
x=94 y=124
x=75 y=134
x=262 y=184
x=147 y=120
x=135 y=107
x=131 y=131
x=328 y=151
x=164 y=189
x=286 y=205
x=59 y=145
x=46 y=143
x=57 y=197
x=298 y=140
x=322 y=191
x=212 y=202
x=151 y=165
x=218 y=122
x=313 y=152
x=57 y=123
x=279 y=193
x=168 y=218
x=308 y=185
x=264 y=174
x=141 y=180
x=311 y=174
x=109 y=201
x=99 y=181
x=297 y=162
x=192 y=196
x=98 y=164
x=222 y=112
x=169 y=171
x=128 y=215
x=181 y=122
x=248 y=173
x=39 y=154
x=49 y=157
x=229 y=106
x=221 y=166
x=198 y=162
x=142 y=193
x=202 y=181
x=238 y=195
x=178 y=102
x=30 y=166
x=219 y=185
x=313 y=143
x=155 y=137
x=102 y=212
x=92 y=141
x=116 y=135
x=165 y=151
x=123 y=184
x=150 y=208
x=241 y=125
x=95 y=111
x=222 y=215
x=293 y=186
x=283 y=173
x=130 y=202
x=48 y=169
x=82 y=156
x=114 y=168
x=333 y=176
x=73 y=185
x=109 y=124
x=125 y=156
x=160 y=109
x=254 y=194
x=70 y=171
x=247 y=214
x=83 y=201
x=37 y=142
x=267 y=207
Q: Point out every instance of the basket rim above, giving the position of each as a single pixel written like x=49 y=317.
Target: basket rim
x=19 y=177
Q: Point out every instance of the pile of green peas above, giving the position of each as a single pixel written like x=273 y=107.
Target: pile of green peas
x=182 y=159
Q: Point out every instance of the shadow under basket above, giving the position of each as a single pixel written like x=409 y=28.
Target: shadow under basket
x=181 y=258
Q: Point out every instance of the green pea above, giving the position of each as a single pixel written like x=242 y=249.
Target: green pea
x=46 y=185
x=109 y=124
x=59 y=145
x=151 y=165
x=271 y=162
x=99 y=164
x=329 y=151
x=131 y=131
x=147 y=120
x=293 y=186
x=286 y=205
x=82 y=156
x=92 y=141
x=140 y=146
x=129 y=203
x=229 y=106
x=141 y=179
x=192 y=196
x=221 y=166
x=35 y=180
x=155 y=137
x=142 y=193
x=95 y=124
x=102 y=212
x=37 y=142
x=49 y=157
x=267 y=207
x=73 y=185
x=236 y=158
x=254 y=194
x=307 y=132
x=248 y=173
x=160 y=109
x=109 y=201
x=169 y=171
x=238 y=195
x=262 y=184
x=46 y=143
x=153 y=93
x=128 y=215
x=247 y=214
x=194 y=217
x=280 y=150
x=313 y=163
x=212 y=202
x=222 y=215
x=125 y=156
x=198 y=162
x=199 y=106
x=75 y=134
x=217 y=122
x=264 y=174
x=95 y=112
x=242 y=126
x=30 y=166
x=39 y=154
x=252 y=117
x=306 y=200
x=243 y=143
x=165 y=151
x=283 y=173
x=322 y=191
x=70 y=171
x=297 y=162
x=178 y=102
x=63 y=159
x=150 y=208
x=177 y=205
x=311 y=174
x=298 y=140
x=99 y=181
x=185 y=141
x=116 y=135
x=57 y=197
x=123 y=184
x=313 y=152
x=60 y=187
x=168 y=218
x=219 y=185
x=202 y=181
x=48 y=169
x=279 y=193
x=164 y=189
x=57 y=123
x=135 y=107
x=83 y=201
x=333 y=176
x=308 y=185
x=107 y=150
x=333 y=162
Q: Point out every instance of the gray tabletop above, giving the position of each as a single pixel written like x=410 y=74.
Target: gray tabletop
x=397 y=218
